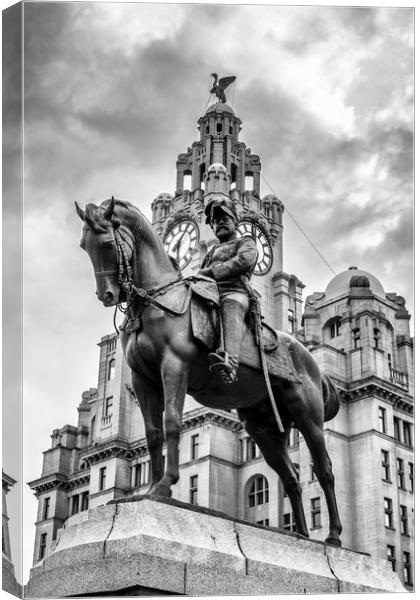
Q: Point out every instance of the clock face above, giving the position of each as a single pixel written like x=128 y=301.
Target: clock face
x=180 y=242
x=265 y=252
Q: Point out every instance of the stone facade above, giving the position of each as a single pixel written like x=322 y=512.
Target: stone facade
x=358 y=333
x=9 y=582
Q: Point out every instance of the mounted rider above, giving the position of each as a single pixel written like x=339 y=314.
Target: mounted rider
x=230 y=263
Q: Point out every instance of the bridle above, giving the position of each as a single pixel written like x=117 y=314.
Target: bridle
x=124 y=238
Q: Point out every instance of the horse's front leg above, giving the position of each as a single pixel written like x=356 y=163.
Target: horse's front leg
x=150 y=399
x=174 y=372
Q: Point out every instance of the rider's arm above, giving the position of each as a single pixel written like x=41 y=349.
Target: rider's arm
x=243 y=262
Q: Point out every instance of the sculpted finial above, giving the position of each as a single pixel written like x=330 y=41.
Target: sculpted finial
x=220 y=85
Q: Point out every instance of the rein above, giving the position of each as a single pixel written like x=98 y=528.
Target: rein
x=125 y=279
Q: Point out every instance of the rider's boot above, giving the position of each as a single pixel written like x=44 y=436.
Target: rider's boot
x=224 y=362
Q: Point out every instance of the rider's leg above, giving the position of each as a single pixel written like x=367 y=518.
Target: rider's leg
x=226 y=360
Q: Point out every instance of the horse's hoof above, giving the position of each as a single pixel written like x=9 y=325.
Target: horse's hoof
x=333 y=541
x=160 y=490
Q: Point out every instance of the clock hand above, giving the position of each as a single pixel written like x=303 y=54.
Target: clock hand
x=178 y=245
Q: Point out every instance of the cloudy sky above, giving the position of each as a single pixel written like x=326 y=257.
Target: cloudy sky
x=113 y=92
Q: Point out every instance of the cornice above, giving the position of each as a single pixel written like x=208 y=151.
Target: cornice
x=104 y=450
x=48 y=483
x=378 y=388
x=7 y=481
x=78 y=479
x=204 y=416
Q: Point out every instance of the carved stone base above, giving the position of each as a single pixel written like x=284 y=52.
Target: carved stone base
x=166 y=547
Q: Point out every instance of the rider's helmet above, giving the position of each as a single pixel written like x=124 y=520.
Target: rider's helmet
x=222 y=204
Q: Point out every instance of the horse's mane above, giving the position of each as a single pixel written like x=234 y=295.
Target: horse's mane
x=124 y=214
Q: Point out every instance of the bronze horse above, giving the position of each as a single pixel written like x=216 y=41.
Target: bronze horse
x=167 y=362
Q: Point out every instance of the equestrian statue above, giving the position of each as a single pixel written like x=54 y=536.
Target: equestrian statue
x=202 y=335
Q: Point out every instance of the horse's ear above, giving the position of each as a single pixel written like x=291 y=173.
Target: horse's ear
x=80 y=212
x=108 y=212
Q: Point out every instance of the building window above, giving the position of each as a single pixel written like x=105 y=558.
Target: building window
x=102 y=478
x=219 y=127
x=400 y=473
x=386 y=469
x=111 y=369
x=291 y=321
x=108 y=407
x=194 y=446
x=249 y=182
x=251 y=449
x=356 y=337
x=316 y=512
x=407 y=434
x=194 y=489
x=289 y=522
x=112 y=344
x=411 y=476
x=404 y=519
x=42 y=545
x=376 y=337
x=382 y=419
x=75 y=504
x=408 y=580
x=263 y=522
x=258 y=494
x=141 y=474
x=313 y=474
x=388 y=513
x=92 y=430
x=3 y=541
x=137 y=475
x=397 y=429
x=85 y=501
x=335 y=328
x=46 y=510
x=390 y=550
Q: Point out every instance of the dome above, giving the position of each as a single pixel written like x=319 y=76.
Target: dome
x=220 y=107
x=340 y=284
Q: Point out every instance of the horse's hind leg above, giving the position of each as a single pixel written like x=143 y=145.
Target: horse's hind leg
x=151 y=405
x=273 y=446
x=314 y=437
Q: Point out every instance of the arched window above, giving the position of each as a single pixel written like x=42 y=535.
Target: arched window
x=258 y=493
x=249 y=181
x=187 y=180
x=332 y=328
x=202 y=175
x=111 y=369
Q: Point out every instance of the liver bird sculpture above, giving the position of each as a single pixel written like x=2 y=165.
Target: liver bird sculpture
x=220 y=85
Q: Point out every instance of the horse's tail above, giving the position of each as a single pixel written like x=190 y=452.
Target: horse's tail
x=331 y=397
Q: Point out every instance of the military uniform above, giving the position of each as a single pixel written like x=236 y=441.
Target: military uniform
x=231 y=264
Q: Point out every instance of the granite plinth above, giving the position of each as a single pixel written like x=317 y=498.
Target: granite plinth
x=152 y=546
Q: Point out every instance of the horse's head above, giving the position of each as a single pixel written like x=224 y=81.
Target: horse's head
x=108 y=250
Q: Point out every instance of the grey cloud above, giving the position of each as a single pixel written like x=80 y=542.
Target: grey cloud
x=361 y=20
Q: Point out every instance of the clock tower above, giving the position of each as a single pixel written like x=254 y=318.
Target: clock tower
x=219 y=164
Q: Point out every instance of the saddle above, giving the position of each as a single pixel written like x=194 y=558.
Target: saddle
x=205 y=326
x=203 y=295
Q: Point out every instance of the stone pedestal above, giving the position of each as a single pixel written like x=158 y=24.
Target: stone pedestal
x=166 y=547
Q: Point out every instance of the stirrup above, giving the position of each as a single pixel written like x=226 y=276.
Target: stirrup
x=223 y=366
